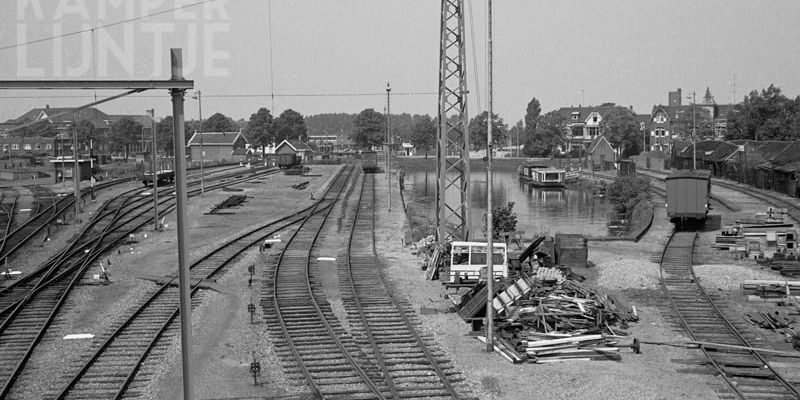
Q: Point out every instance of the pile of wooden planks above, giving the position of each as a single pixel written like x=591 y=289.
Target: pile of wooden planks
x=787 y=268
x=769 y=320
x=564 y=321
x=769 y=289
x=545 y=348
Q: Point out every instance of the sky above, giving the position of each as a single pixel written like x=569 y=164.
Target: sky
x=323 y=56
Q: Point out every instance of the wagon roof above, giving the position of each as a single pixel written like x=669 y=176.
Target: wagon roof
x=685 y=173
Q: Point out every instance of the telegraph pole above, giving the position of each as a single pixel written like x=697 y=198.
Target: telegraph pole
x=198 y=96
x=154 y=167
x=489 y=233
x=388 y=147
x=75 y=170
x=694 y=134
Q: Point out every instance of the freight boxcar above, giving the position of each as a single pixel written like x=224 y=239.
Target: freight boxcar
x=287 y=160
x=688 y=194
x=626 y=168
x=369 y=161
x=164 y=177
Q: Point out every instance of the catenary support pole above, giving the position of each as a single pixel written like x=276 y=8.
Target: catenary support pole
x=154 y=166
x=180 y=193
x=388 y=148
x=76 y=177
x=489 y=233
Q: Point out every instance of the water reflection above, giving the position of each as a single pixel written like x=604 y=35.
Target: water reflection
x=539 y=210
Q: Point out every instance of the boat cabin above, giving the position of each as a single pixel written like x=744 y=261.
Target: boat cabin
x=542 y=176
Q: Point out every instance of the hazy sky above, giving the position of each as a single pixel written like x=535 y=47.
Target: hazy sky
x=562 y=52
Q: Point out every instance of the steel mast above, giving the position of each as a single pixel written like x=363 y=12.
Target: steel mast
x=452 y=219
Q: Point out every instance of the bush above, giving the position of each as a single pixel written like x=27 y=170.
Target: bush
x=504 y=220
x=627 y=192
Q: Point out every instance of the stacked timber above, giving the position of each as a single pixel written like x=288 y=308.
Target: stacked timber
x=563 y=321
x=769 y=320
x=768 y=289
x=548 y=348
x=786 y=267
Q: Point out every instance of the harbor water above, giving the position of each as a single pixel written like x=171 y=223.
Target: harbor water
x=538 y=210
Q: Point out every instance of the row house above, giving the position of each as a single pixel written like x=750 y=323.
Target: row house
x=674 y=120
x=582 y=124
x=61 y=120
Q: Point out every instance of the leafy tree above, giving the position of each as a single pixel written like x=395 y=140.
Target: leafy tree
x=164 y=137
x=423 y=134
x=532 y=114
x=620 y=128
x=477 y=131
x=289 y=125
x=702 y=119
x=626 y=192
x=768 y=115
x=504 y=221
x=548 y=135
x=259 y=130
x=85 y=132
x=369 y=129
x=124 y=132
x=219 y=123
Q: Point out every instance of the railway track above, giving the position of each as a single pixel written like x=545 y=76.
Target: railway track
x=384 y=327
x=114 y=369
x=11 y=294
x=7 y=210
x=36 y=302
x=314 y=346
x=747 y=373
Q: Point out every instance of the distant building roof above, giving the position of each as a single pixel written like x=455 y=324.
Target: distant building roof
x=215 y=138
x=96 y=117
x=296 y=145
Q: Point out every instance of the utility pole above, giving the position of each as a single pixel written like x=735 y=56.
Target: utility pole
x=180 y=195
x=388 y=148
x=694 y=134
x=75 y=170
x=489 y=230
x=198 y=96
x=154 y=167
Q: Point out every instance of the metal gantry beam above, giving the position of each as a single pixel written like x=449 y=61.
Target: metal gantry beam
x=452 y=194
x=108 y=84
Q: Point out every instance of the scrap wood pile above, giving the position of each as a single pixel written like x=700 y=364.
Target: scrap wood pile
x=771 y=289
x=770 y=321
x=561 y=320
x=787 y=267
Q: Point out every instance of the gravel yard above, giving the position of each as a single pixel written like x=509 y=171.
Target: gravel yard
x=226 y=342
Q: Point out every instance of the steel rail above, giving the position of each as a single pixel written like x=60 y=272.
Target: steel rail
x=315 y=387
x=397 y=307
x=693 y=284
x=90 y=257
x=253 y=237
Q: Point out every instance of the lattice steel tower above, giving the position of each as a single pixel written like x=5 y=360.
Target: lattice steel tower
x=452 y=195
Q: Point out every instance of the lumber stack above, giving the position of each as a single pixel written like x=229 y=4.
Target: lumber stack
x=769 y=320
x=551 y=348
x=787 y=268
x=771 y=289
x=563 y=321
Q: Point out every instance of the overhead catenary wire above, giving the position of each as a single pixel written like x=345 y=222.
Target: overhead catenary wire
x=234 y=95
x=125 y=21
